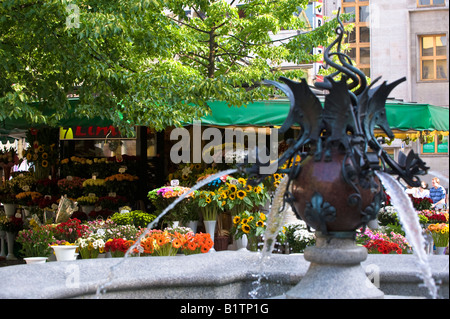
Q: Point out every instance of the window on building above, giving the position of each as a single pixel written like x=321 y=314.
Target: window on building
x=435 y=144
x=359 y=38
x=429 y=3
x=433 y=57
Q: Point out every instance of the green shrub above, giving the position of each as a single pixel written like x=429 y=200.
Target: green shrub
x=137 y=218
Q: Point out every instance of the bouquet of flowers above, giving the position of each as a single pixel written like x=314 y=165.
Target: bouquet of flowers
x=118 y=246
x=187 y=173
x=70 y=231
x=439 y=232
x=112 y=202
x=11 y=224
x=43 y=151
x=240 y=196
x=36 y=242
x=72 y=186
x=28 y=198
x=8 y=157
x=94 y=186
x=435 y=217
x=379 y=242
x=138 y=218
x=164 y=196
x=209 y=202
x=91 y=246
x=248 y=223
x=166 y=243
x=298 y=236
x=421 y=203
x=123 y=184
x=87 y=200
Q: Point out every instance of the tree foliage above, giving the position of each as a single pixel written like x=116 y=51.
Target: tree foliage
x=142 y=62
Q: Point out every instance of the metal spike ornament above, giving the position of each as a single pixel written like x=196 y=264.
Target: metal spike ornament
x=334 y=188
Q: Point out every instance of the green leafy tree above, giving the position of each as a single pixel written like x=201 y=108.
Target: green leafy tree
x=142 y=62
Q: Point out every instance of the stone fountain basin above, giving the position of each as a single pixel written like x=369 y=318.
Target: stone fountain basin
x=216 y=275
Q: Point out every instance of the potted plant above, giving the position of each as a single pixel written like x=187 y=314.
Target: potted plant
x=11 y=225
x=298 y=237
x=91 y=246
x=440 y=235
x=36 y=243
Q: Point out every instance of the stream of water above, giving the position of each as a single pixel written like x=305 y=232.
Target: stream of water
x=101 y=289
x=410 y=221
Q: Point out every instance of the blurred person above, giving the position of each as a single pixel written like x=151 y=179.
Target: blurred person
x=437 y=194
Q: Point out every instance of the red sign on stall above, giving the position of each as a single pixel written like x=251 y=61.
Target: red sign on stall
x=89 y=132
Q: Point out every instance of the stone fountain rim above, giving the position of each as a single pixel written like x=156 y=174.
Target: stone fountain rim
x=207 y=270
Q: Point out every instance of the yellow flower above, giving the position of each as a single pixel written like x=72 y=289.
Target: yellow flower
x=242 y=181
x=29 y=157
x=236 y=219
x=244 y=221
x=241 y=194
x=232 y=188
x=44 y=155
x=246 y=228
x=40 y=148
x=260 y=223
x=232 y=196
x=257 y=189
x=44 y=163
x=262 y=216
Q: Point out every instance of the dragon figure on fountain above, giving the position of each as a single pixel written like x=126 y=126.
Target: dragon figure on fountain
x=341 y=139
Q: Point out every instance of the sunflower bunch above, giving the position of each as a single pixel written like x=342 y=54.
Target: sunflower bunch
x=248 y=223
x=42 y=152
x=240 y=196
x=210 y=203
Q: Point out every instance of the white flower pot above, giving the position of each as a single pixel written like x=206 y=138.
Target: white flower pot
x=440 y=250
x=10 y=209
x=210 y=227
x=65 y=252
x=35 y=260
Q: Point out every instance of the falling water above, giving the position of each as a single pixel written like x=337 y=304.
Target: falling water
x=101 y=289
x=274 y=223
x=410 y=222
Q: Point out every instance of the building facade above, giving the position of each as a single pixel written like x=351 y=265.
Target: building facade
x=405 y=38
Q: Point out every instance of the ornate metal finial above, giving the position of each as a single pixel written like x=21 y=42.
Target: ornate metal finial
x=341 y=130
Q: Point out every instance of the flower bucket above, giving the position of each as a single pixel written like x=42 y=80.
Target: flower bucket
x=87 y=209
x=210 y=227
x=35 y=260
x=65 y=252
x=241 y=243
x=192 y=224
x=440 y=250
x=10 y=209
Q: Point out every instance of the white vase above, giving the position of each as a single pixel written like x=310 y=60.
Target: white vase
x=65 y=252
x=10 y=209
x=175 y=223
x=440 y=250
x=35 y=260
x=210 y=227
x=241 y=243
x=192 y=224
x=10 y=238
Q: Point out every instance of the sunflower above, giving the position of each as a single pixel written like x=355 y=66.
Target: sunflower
x=29 y=157
x=44 y=155
x=232 y=188
x=246 y=228
x=241 y=194
x=262 y=216
x=242 y=181
x=260 y=223
x=232 y=196
x=257 y=189
x=44 y=163
x=236 y=219
x=208 y=200
x=244 y=221
x=249 y=188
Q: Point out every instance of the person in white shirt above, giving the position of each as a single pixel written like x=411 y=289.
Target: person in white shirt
x=421 y=191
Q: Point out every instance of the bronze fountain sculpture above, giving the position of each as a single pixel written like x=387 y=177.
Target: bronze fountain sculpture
x=334 y=187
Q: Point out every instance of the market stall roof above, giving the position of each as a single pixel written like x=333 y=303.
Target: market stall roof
x=400 y=115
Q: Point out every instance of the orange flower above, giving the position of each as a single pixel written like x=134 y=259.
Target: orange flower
x=176 y=243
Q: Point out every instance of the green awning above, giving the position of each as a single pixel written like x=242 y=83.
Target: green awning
x=401 y=116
